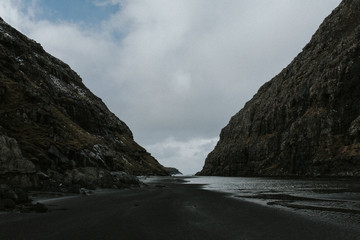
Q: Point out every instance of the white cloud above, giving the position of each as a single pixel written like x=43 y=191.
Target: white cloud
x=177 y=69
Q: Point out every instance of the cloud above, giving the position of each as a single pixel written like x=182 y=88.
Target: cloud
x=177 y=69
x=169 y=151
x=103 y=3
x=225 y=50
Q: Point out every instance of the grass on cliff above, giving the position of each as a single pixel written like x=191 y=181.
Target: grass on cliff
x=34 y=136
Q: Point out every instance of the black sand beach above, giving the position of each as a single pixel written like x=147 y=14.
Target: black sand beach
x=167 y=209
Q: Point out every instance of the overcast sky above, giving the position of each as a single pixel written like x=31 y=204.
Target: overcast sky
x=174 y=70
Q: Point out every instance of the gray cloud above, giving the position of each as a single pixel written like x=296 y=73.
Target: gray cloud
x=169 y=151
x=176 y=71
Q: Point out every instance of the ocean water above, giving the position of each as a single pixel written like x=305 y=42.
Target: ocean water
x=337 y=201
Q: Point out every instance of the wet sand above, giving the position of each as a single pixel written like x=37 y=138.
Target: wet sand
x=167 y=209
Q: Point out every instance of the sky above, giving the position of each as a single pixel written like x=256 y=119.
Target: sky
x=174 y=70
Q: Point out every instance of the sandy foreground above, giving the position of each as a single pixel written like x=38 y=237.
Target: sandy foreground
x=166 y=209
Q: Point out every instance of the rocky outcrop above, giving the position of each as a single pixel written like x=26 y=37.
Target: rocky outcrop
x=52 y=127
x=17 y=199
x=11 y=159
x=306 y=120
x=14 y=168
x=173 y=171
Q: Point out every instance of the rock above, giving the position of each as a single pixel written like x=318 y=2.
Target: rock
x=173 y=171
x=85 y=191
x=42 y=176
x=50 y=122
x=10 y=194
x=305 y=121
x=17 y=195
x=124 y=179
x=40 y=208
x=9 y=203
x=11 y=159
x=91 y=178
x=57 y=154
x=354 y=129
x=22 y=196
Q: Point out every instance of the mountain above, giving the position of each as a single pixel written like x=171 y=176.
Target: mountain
x=173 y=171
x=55 y=133
x=306 y=120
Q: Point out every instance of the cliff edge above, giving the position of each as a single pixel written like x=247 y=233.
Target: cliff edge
x=306 y=120
x=55 y=133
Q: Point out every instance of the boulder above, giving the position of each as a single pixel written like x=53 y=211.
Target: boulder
x=40 y=208
x=11 y=158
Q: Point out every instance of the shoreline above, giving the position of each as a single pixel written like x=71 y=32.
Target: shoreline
x=335 y=204
x=166 y=209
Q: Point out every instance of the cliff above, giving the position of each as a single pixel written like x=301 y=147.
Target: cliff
x=306 y=120
x=173 y=171
x=55 y=133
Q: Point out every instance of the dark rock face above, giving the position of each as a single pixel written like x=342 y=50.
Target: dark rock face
x=173 y=171
x=11 y=158
x=52 y=126
x=306 y=120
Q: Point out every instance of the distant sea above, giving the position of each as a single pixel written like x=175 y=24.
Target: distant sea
x=331 y=200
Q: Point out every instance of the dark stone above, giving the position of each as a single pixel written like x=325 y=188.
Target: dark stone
x=305 y=121
x=9 y=194
x=22 y=196
x=42 y=176
x=173 y=171
x=9 y=203
x=40 y=208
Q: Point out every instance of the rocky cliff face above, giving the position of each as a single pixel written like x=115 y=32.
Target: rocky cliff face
x=53 y=130
x=306 y=120
x=173 y=171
